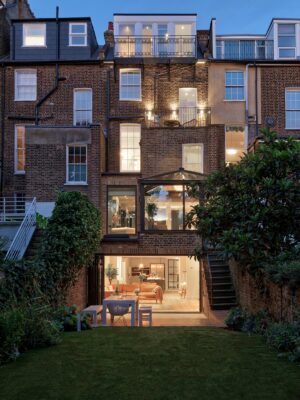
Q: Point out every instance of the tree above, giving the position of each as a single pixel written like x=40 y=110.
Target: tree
x=70 y=240
x=251 y=209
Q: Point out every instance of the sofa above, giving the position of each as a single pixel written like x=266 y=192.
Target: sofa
x=148 y=291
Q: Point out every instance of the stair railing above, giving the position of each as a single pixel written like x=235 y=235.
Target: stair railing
x=24 y=234
x=208 y=277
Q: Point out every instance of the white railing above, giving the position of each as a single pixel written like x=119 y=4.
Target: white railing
x=24 y=234
x=13 y=209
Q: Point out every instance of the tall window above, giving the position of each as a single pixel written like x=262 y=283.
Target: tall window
x=76 y=164
x=235 y=143
x=25 y=85
x=83 y=107
x=192 y=157
x=34 y=35
x=121 y=210
x=287 y=40
x=234 y=85
x=292 y=108
x=130 y=136
x=130 y=84
x=78 y=34
x=19 y=149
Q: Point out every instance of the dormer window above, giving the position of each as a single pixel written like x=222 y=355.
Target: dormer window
x=34 y=35
x=287 y=40
x=78 y=34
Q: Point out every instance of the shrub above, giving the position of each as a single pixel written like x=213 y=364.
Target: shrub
x=69 y=319
x=70 y=241
x=283 y=337
x=236 y=319
x=11 y=334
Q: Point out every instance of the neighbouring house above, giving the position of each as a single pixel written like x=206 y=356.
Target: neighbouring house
x=131 y=123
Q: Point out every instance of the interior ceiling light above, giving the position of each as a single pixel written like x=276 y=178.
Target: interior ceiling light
x=231 y=152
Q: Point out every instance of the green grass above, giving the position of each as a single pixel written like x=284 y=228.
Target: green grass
x=157 y=363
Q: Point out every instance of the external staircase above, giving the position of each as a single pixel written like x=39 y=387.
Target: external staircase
x=17 y=225
x=219 y=282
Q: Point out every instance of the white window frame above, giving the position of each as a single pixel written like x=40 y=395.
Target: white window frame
x=225 y=85
x=18 y=71
x=187 y=145
x=129 y=170
x=18 y=171
x=124 y=71
x=25 y=28
x=72 y=34
x=290 y=110
x=76 y=90
x=76 y=183
x=287 y=48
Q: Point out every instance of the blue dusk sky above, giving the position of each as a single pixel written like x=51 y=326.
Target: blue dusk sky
x=233 y=16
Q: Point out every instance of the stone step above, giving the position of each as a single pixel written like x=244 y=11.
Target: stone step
x=223 y=299
x=224 y=306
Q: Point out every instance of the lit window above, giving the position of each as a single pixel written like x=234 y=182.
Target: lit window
x=19 y=149
x=130 y=84
x=78 y=34
x=292 y=109
x=192 y=157
x=34 y=35
x=76 y=164
x=235 y=145
x=25 y=85
x=121 y=211
x=234 y=85
x=83 y=107
x=286 y=40
x=130 y=136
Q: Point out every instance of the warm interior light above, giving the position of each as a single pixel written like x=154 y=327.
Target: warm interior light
x=231 y=152
x=141 y=266
x=182 y=27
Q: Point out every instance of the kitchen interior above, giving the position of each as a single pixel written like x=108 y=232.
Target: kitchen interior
x=177 y=277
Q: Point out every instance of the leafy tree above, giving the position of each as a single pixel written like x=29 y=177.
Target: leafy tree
x=251 y=209
x=70 y=240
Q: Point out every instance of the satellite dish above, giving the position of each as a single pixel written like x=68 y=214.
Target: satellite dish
x=270 y=122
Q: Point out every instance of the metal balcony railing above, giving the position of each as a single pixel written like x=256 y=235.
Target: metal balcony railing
x=245 y=49
x=13 y=209
x=155 y=46
x=183 y=117
x=24 y=234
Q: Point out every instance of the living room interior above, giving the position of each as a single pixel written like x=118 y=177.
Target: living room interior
x=167 y=283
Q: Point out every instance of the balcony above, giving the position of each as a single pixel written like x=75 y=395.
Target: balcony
x=183 y=117
x=245 y=49
x=155 y=46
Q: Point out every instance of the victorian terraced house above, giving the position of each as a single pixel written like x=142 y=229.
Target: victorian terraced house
x=131 y=123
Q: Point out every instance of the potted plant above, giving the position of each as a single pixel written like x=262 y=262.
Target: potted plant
x=151 y=210
x=111 y=273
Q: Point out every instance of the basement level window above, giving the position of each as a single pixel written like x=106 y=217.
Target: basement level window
x=34 y=35
x=78 y=34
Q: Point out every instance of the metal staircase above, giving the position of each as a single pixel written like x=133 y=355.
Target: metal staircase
x=18 y=224
x=220 y=287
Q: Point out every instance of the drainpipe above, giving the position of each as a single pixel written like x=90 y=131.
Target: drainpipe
x=3 y=92
x=57 y=77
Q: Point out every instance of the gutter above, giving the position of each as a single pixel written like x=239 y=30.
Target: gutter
x=3 y=92
x=57 y=77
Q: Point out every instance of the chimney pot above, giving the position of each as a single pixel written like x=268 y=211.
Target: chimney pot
x=110 y=26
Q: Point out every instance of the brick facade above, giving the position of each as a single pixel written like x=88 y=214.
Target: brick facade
x=274 y=81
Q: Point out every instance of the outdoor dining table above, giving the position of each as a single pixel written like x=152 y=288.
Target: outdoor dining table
x=131 y=301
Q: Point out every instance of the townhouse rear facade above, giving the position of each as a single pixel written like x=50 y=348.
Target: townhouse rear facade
x=132 y=122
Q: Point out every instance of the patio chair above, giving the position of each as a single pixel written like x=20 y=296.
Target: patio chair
x=117 y=310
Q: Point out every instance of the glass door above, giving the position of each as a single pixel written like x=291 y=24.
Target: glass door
x=173 y=274
x=188 y=106
x=147 y=41
x=184 y=45
x=162 y=40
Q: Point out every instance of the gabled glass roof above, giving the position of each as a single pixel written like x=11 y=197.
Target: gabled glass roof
x=180 y=175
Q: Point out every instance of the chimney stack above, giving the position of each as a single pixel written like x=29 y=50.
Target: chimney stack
x=109 y=35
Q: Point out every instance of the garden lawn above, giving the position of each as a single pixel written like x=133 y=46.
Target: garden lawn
x=152 y=363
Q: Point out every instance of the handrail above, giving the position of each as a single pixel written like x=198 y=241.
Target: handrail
x=13 y=209
x=24 y=234
x=155 y=46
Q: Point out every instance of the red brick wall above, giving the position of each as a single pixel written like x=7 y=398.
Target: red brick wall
x=280 y=303
x=274 y=81
x=78 y=293
x=46 y=165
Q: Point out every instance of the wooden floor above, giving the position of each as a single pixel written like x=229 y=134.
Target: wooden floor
x=172 y=302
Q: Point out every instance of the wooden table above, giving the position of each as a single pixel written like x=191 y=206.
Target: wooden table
x=130 y=301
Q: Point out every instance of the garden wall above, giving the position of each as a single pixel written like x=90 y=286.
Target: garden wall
x=281 y=303
x=78 y=293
